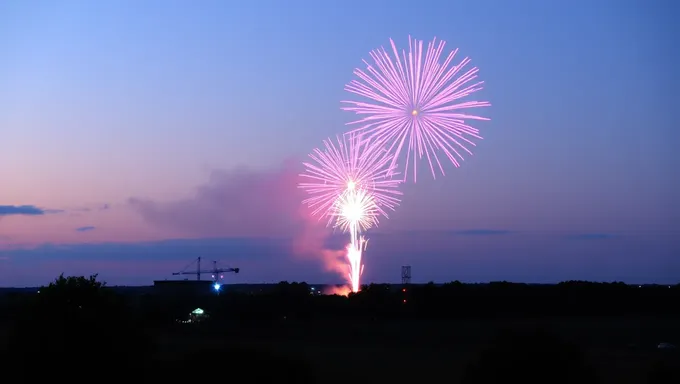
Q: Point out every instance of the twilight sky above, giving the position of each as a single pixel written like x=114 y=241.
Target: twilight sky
x=138 y=135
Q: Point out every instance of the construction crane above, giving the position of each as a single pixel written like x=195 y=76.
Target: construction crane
x=215 y=272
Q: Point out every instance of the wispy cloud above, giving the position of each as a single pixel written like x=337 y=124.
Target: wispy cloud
x=91 y=208
x=26 y=210
x=85 y=229
x=591 y=236
x=52 y=211
x=481 y=232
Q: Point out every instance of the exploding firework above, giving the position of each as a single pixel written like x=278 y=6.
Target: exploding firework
x=352 y=164
x=351 y=185
x=415 y=104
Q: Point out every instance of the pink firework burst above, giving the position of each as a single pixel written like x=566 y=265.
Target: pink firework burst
x=351 y=165
x=415 y=104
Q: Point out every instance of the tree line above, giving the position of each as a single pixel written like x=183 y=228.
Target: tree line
x=79 y=320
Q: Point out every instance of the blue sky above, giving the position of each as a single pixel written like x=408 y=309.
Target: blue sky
x=105 y=101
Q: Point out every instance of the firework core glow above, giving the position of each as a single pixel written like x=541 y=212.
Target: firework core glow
x=355 y=208
x=415 y=104
x=350 y=183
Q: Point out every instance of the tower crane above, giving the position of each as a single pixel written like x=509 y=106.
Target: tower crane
x=215 y=272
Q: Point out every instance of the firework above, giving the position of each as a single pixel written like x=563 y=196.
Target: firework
x=351 y=185
x=415 y=104
x=352 y=164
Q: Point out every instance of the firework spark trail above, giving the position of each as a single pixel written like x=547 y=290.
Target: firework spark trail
x=356 y=268
x=415 y=105
x=351 y=184
x=356 y=211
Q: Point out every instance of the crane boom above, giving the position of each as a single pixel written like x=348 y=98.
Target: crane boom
x=214 y=271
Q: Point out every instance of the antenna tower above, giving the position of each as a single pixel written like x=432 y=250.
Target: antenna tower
x=406 y=274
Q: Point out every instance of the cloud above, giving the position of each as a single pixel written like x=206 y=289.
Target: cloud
x=481 y=232
x=27 y=210
x=178 y=251
x=591 y=236
x=78 y=211
x=239 y=203
x=85 y=229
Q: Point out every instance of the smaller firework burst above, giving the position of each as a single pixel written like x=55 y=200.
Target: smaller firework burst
x=351 y=164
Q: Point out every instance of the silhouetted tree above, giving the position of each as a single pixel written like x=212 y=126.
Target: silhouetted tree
x=77 y=319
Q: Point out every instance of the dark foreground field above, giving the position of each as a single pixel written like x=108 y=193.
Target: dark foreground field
x=453 y=334
x=435 y=351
